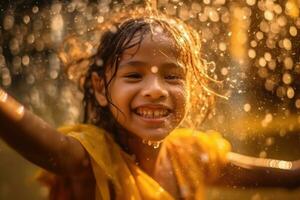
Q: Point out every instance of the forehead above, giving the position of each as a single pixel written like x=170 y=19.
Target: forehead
x=153 y=47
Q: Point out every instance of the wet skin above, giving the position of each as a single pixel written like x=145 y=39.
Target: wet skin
x=137 y=85
x=149 y=89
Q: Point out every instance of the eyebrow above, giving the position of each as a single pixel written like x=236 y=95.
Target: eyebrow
x=134 y=63
x=137 y=63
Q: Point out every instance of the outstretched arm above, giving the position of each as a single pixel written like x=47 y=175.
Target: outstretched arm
x=252 y=172
x=37 y=141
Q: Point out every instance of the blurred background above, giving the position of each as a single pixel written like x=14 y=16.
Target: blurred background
x=252 y=46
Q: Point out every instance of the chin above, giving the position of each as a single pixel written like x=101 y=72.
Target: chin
x=156 y=135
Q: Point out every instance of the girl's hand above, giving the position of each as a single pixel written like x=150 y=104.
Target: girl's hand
x=9 y=107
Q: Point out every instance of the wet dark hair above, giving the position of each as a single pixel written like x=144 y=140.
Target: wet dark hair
x=113 y=44
x=130 y=33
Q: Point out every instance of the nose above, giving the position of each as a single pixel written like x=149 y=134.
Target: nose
x=155 y=88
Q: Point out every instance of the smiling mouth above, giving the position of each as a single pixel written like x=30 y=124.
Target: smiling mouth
x=152 y=113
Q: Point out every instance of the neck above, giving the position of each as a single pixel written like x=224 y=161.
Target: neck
x=146 y=156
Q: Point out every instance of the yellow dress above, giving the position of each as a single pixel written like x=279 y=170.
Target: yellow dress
x=196 y=159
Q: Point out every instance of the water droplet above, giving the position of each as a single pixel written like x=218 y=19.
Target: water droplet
x=222 y=46
x=290 y=93
x=288 y=63
x=30 y=39
x=270 y=141
x=262 y=62
x=154 y=69
x=100 y=19
x=277 y=9
x=213 y=15
x=259 y=35
x=26 y=19
x=287 y=78
x=184 y=13
x=35 y=9
x=206 y=1
x=247 y=107
x=253 y=43
x=268 y=56
x=263 y=154
x=251 y=2
x=8 y=22
x=71 y=7
x=287 y=44
x=269 y=85
x=196 y=7
x=25 y=60
x=272 y=64
x=269 y=15
x=280 y=92
x=224 y=71
x=297 y=103
x=293 y=31
x=30 y=79
x=251 y=53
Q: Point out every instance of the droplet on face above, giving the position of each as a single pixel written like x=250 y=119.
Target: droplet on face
x=154 y=69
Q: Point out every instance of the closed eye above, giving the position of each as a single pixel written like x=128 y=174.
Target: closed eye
x=133 y=76
x=173 y=77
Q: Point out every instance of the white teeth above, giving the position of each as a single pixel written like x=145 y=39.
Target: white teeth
x=152 y=113
x=157 y=113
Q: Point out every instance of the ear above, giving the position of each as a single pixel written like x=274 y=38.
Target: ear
x=99 y=89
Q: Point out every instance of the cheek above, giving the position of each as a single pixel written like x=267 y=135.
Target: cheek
x=120 y=100
x=181 y=100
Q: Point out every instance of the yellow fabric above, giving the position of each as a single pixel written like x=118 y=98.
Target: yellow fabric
x=111 y=164
x=195 y=158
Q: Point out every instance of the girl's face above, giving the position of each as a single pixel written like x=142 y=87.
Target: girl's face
x=149 y=89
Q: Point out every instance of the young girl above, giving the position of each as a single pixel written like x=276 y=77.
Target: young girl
x=146 y=81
